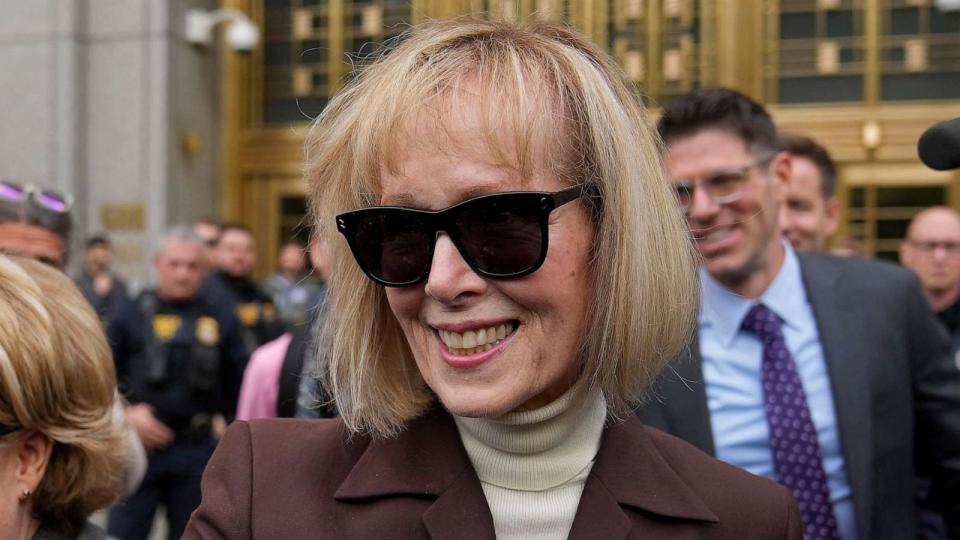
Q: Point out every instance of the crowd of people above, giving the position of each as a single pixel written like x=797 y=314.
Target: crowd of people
x=176 y=359
x=532 y=315
x=804 y=359
x=188 y=354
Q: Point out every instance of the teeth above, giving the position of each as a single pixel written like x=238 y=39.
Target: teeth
x=475 y=341
x=717 y=235
x=469 y=339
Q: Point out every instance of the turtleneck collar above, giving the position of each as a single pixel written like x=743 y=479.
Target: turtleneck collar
x=539 y=449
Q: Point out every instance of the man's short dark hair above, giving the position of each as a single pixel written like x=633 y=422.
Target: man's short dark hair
x=722 y=109
x=97 y=240
x=807 y=148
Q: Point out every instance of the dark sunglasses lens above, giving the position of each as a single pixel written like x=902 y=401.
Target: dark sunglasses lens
x=52 y=200
x=502 y=235
x=393 y=246
x=11 y=191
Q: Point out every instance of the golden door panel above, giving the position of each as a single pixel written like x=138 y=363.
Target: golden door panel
x=879 y=201
x=277 y=213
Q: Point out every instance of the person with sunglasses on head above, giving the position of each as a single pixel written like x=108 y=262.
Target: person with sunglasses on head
x=519 y=273
x=62 y=447
x=37 y=223
x=828 y=374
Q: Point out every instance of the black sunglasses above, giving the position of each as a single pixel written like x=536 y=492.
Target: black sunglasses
x=503 y=235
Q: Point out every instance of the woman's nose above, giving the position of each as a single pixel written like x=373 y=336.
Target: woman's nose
x=451 y=279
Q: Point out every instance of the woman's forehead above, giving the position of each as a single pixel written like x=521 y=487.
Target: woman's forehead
x=470 y=123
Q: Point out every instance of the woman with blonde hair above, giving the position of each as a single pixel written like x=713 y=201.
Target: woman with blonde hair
x=61 y=448
x=520 y=271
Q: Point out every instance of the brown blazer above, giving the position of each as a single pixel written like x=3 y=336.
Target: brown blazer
x=289 y=479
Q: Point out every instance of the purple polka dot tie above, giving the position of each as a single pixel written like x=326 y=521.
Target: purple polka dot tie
x=797 y=459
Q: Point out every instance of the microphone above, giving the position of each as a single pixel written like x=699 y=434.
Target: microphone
x=939 y=146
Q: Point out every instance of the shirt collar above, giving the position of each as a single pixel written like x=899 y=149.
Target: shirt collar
x=724 y=310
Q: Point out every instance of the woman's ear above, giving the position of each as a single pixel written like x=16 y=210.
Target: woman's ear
x=34 y=451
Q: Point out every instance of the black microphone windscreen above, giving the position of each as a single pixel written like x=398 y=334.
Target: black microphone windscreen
x=939 y=146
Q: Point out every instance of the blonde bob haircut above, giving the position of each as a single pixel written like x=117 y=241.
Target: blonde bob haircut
x=57 y=378
x=540 y=83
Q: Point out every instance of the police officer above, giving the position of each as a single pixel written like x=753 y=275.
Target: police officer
x=179 y=361
x=231 y=284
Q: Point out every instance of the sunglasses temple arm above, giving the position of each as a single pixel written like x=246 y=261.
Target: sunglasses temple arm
x=574 y=192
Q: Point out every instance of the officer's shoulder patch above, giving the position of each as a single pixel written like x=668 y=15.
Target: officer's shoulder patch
x=208 y=331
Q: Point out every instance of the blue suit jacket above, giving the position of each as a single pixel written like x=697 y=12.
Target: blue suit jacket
x=895 y=388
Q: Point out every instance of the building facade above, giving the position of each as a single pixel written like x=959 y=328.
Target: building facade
x=863 y=77
x=105 y=100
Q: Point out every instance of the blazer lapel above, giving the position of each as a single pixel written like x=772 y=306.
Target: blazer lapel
x=630 y=472
x=841 y=330
x=599 y=514
x=434 y=465
x=461 y=511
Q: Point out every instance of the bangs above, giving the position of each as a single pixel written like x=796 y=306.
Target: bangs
x=523 y=112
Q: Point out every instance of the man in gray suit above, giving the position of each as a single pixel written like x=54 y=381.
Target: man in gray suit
x=831 y=375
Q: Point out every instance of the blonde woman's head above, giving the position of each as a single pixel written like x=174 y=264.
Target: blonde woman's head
x=531 y=108
x=57 y=388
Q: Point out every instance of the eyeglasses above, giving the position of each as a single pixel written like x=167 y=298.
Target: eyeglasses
x=6 y=430
x=927 y=247
x=53 y=201
x=503 y=235
x=721 y=187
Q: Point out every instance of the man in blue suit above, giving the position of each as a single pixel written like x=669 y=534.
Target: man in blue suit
x=831 y=375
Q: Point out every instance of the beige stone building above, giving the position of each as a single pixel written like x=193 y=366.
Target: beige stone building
x=107 y=99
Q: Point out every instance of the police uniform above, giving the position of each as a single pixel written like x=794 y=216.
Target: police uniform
x=186 y=360
x=259 y=321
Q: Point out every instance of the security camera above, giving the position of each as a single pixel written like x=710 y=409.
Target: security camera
x=242 y=34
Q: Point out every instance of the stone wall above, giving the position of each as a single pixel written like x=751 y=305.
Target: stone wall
x=99 y=98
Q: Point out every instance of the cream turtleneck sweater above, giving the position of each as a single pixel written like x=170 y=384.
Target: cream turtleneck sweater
x=533 y=465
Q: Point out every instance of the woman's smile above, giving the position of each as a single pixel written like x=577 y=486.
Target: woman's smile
x=477 y=339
